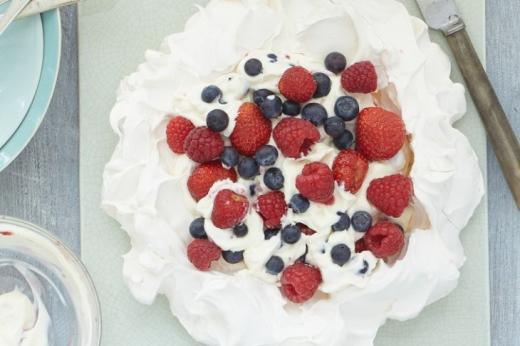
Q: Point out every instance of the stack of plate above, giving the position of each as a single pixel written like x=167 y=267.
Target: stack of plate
x=29 y=62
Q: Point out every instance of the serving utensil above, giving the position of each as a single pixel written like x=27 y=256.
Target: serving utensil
x=11 y=13
x=443 y=15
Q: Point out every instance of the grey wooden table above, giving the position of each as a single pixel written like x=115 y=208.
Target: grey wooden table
x=42 y=185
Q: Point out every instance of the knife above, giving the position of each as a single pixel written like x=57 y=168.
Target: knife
x=10 y=14
x=443 y=15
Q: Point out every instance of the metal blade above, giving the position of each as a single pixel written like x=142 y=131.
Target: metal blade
x=441 y=15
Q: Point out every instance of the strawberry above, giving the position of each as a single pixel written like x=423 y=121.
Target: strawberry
x=176 y=132
x=295 y=137
x=297 y=84
x=305 y=229
x=201 y=252
x=316 y=183
x=360 y=78
x=350 y=169
x=272 y=208
x=229 y=209
x=380 y=134
x=300 y=281
x=384 y=239
x=390 y=194
x=203 y=145
x=204 y=176
x=252 y=130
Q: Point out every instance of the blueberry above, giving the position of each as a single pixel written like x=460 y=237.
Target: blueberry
x=340 y=254
x=291 y=234
x=253 y=67
x=274 y=265
x=240 y=230
x=361 y=221
x=343 y=223
x=266 y=155
x=248 y=168
x=217 y=120
x=210 y=93
x=323 y=83
x=269 y=233
x=299 y=204
x=347 y=108
x=233 y=256
x=197 y=229
x=291 y=108
x=315 y=113
x=260 y=95
x=252 y=189
x=272 y=57
x=364 y=270
x=335 y=62
x=334 y=127
x=303 y=258
x=344 y=141
x=273 y=178
x=271 y=107
x=229 y=157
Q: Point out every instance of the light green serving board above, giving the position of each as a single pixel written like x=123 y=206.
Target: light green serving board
x=113 y=37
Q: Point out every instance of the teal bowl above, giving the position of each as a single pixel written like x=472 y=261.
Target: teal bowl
x=51 y=61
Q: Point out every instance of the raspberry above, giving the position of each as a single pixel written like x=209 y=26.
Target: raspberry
x=272 y=208
x=201 y=252
x=384 y=239
x=390 y=194
x=316 y=183
x=360 y=78
x=252 y=130
x=380 y=134
x=207 y=174
x=300 y=281
x=176 y=132
x=229 y=208
x=361 y=246
x=305 y=229
x=295 y=136
x=297 y=84
x=350 y=169
x=203 y=145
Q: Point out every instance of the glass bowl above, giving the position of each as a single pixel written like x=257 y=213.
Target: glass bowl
x=28 y=254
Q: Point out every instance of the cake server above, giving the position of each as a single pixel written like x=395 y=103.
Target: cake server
x=443 y=15
x=10 y=14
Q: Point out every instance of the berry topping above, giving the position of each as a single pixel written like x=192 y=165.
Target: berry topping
x=316 y=183
x=299 y=204
x=269 y=233
x=380 y=134
x=291 y=108
x=300 y=281
x=340 y=254
x=384 y=239
x=251 y=130
x=361 y=221
x=343 y=223
x=197 y=230
x=203 y=145
x=210 y=93
x=295 y=137
x=202 y=252
x=240 y=230
x=323 y=84
x=271 y=107
x=291 y=234
x=260 y=95
x=176 y=132
x=253 y=67
x=266 y=155
x=297 y=84
x=217 y=120
x=229 y=157
x=306 y=229
x=390 y=194
x=272 y=208
x=334 y=127
x=347 y=108
x=361 y=246
x=233 y=257
x=315 y=113
x=229 y=209
x=272 y=57
x=350 y=169
x=204 y=176
x=273 y=178
x=274 y=265
x=335 y=62
x=248 y=168
x=344 y=141
x=360 y=78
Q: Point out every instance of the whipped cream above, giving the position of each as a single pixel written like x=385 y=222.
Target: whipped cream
x=145 y=184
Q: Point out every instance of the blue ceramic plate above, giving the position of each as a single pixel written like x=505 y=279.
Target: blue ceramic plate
x=42 y=97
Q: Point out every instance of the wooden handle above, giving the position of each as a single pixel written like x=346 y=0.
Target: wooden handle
x=495 y=121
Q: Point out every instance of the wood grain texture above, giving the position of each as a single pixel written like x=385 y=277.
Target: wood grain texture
x=503 y=59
